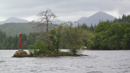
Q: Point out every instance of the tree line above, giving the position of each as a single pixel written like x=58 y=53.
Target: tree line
x=113 y=35
x=12 y=42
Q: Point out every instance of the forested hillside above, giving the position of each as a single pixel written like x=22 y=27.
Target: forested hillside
x=13 y=29
x=112 y=35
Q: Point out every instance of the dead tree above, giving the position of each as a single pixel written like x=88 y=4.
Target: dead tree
x=45 y=18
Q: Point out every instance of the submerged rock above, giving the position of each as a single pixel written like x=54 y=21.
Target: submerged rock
x=20 y=53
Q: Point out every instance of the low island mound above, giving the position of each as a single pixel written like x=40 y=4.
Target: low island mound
x=22 y=53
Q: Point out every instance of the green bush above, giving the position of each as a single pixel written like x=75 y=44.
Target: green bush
x=38 y=48
x=31 y=49
x=74 y=51
x=66 y=53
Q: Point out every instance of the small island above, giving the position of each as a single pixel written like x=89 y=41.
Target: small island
x=22 y=53
x=44 y=52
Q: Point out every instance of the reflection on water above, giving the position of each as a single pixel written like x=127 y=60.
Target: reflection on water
x=96 y=62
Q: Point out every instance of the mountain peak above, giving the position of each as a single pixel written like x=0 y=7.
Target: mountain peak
x=82 y=18
x=100 y=13
x=95 y=18
x=14 y=20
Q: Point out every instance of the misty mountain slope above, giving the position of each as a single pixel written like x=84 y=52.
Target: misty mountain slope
x=82 y=19
x=94 y=19
x=14 y=20
x=13 y=29
x=57 y=22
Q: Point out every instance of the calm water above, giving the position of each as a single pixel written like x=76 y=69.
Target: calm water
x=96 y=62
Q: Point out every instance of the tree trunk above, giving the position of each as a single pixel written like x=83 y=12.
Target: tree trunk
x=47 y=37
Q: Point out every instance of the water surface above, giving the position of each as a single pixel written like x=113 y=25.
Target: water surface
x=96 y=62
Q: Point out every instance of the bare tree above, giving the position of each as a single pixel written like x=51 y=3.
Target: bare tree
x=45 y=17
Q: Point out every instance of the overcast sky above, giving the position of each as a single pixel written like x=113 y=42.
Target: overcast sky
x=66 y=10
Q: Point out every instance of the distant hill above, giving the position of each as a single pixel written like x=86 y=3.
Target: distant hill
x=94 y=19
x=57 y=22
x=14 y=20
x=13 y=29
x=13 y=26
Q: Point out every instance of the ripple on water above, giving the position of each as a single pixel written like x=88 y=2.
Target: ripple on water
x=95 y=72
x=33 y=71
x=125 y=71
x=2 y=61
x=89 y=66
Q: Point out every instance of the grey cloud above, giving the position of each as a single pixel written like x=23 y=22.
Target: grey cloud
x=23 y=8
